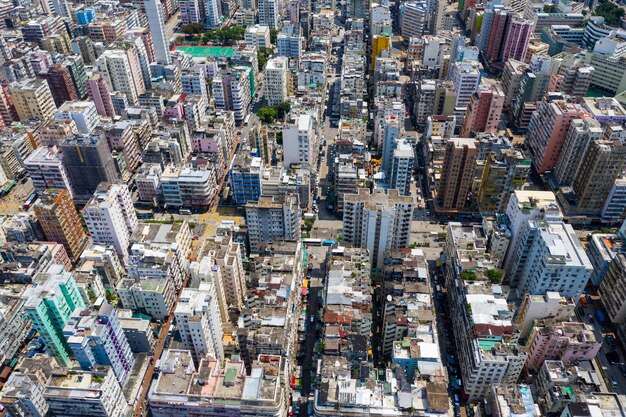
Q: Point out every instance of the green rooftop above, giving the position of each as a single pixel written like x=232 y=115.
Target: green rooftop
x=487 y=344
x=206 y=51
x=230 y=377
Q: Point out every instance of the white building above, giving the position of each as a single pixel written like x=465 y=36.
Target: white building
x=110 y=217
x=378 y=221
x=148 y=182
x=212 y=13
x=299 y=142
x=465 y=76
x=381 y=21
x=199 y=323
x=83 y=113
x=523 y=206
x=154 y=12
x=188 y=187
x=193 y=81
x=540 y=307
x=414 y=18
x=402 y=165
x=96 y=393
x=276 y=80
x=551 y=258
x=615 y=205
x=152 y=296
x=46 y=169
x=121 y=76
x=269 y=13
x=258 y=35
x=289 y=41
x=270 y=219
x=190 y=12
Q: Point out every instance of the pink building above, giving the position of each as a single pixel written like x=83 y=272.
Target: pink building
x=496 y=35
x=568 y=342
x=174 y=108
x=99 y=92
x=516 y=39
x=121 y=136
x=484 y=110
x=547 y=130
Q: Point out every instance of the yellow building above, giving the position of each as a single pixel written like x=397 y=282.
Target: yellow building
x=32 y=99
x=380 y=43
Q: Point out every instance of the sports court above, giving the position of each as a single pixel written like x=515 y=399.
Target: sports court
x=206 y=51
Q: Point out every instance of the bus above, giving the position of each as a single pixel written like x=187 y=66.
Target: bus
x=246 y=120
x=30 y=201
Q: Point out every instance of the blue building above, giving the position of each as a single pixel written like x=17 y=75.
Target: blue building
x=98 y=339
x=85 y=16
x=245 y=176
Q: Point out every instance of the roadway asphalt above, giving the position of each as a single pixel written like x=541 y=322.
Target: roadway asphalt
x=609 y=372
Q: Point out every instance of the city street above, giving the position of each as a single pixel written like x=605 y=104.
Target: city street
x=609 y=372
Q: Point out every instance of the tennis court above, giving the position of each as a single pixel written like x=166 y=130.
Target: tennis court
x=206 y=51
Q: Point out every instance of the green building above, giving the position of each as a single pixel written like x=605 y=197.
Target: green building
x=49 y=305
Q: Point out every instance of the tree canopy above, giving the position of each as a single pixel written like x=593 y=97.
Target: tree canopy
x=192 y=28
x=267 y=114
x=611 y=12
x=226 y=35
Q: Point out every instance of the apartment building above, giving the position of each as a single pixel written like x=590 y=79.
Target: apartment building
x=377 y=221
x=110 y=217
x=272 y=218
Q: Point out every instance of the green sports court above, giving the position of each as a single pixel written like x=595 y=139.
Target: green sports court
x=206 y=51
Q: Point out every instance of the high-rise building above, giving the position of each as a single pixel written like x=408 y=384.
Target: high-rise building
x=199 y=323
x=276 y=79
x=602 y=164
x=378 y=221
x=98 y=339
x=22 y=395
x=122 y=71
x=484 y=110
x=269 y=13
x=465 y=77
x=99 y=93
x=612 y=289
x=154 y=11
x=524 y=206
x=32 y=99
x=414 y=19
x=245 y=175
x=88 y=162
x=258 y=35
x=402 y=167
x=86 y=393
x=289 y=41
x=580 y=134
x=392 y=129
x=547 y=131
x=211 y=13
x=60 y=221
x=516 y=39
x=496 y=33
x=83 y=113
x=190 y=11
x=61 y=85
x=46 y=170
x=193 y=81
x=110 y=217
x=550 y=258
x=568 y=342
x=457 y=174
x=272 y=218
x=50 y=306
x=299 y=144
x=232 y=91
x=504 y=172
